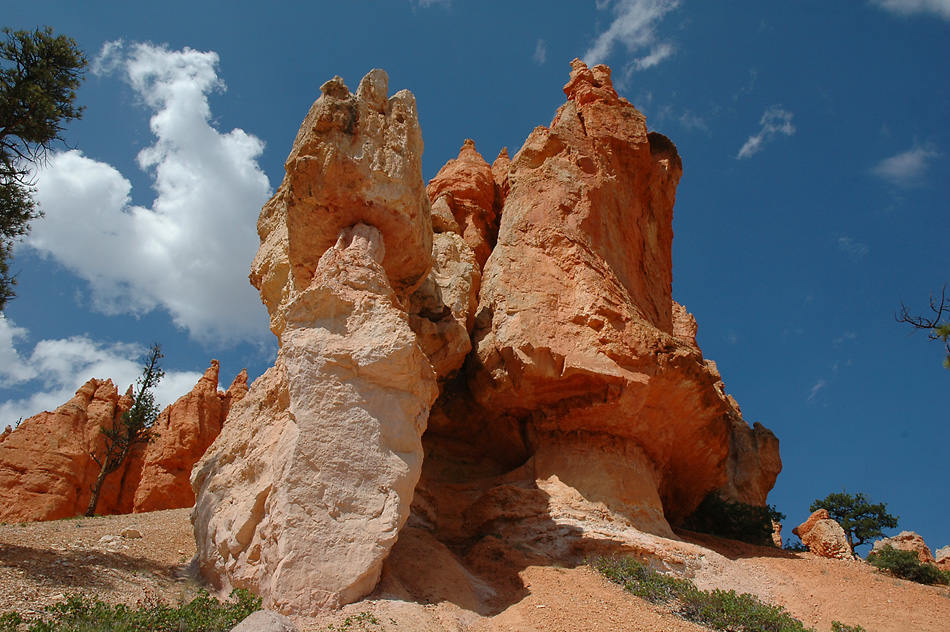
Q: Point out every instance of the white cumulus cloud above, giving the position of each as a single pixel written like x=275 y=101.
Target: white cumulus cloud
x=634 y=27
x=54 y=369
x=190 y=251
x=775 y=121
x=907 y=169
x=913 y=7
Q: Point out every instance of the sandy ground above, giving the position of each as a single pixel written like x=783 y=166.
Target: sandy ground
x=493 y=590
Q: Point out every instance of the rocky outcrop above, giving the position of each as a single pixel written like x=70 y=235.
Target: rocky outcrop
x=824 y=537
x=513 y=324
x=355 y=159
x=305 y=491
x=575 y=319
x=466 y=188
x=942 y=558
x=183 y=432
x=46 y=464
x=907 y=541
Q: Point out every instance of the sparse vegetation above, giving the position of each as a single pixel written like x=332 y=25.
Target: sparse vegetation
x=837 y=626
x=734 y=520
x=80 y=613
x=907 y=565
x=717 y=609
x=362 y=621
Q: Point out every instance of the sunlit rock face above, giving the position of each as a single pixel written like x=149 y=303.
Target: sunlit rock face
x=498 y=354
x=574 y=327
x=182 y=434
x=356 y=158
x=47 y=467
x=305 y=491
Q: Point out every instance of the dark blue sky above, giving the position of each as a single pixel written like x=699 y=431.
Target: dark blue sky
x=815 y=144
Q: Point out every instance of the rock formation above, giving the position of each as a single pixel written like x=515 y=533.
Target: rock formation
x=46 y=469
x=513 y=323
x=305 y=491
x=45 y=466
x=183 y=432
x=824 y=537
x=907 y=541
x=942 y=558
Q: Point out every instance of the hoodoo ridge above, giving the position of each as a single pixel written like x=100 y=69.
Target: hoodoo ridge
x=497 y=354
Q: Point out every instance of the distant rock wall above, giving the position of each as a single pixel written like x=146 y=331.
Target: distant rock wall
x=498 y=354
x=46 y=467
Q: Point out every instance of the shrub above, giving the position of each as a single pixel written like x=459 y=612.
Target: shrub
x=837 y=626
x=717 y=609
x=734 y=520
x=906 y=565
x=9 y=621
x=203 y=614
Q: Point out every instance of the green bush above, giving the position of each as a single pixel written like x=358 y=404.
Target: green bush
x=9 y=621
x=734 y=520
x=837 y=626
x=717 y=609
x=906 y=565
x=83 y=614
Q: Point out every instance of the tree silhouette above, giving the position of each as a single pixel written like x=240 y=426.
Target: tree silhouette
x=39 y=75
x=938 y=326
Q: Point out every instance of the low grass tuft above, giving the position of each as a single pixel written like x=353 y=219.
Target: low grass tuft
x=80 y=613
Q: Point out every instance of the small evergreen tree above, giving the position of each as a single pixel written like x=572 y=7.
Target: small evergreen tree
x=135 y=426
x=861 y=519
x=39 y=75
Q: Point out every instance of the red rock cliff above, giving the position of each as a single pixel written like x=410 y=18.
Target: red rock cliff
x=46 y=469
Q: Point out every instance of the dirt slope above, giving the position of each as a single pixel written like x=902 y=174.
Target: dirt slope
x=41 y=563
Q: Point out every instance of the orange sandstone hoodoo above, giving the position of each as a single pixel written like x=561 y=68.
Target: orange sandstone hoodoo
x=46 y=469
x=497 y=355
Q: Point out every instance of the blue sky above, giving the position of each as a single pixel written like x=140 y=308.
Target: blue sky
x=816 y=154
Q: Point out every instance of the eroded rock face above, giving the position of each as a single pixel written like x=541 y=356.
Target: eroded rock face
x=304 y=493
x=942 y=558
x=908 y=541
x=516 y=327
x=183 y=432
x=46 y=467
x=575 y=317
x=356 y=158
x=466 y=187
x=824 y=537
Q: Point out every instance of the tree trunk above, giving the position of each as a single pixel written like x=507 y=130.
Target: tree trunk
x=97 y=489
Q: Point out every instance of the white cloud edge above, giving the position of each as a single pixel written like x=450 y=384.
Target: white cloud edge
x=775 y=121
x=190 y=251
x=55 y=369
x=905 y=8
x=635 y=27
x=907 y=169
